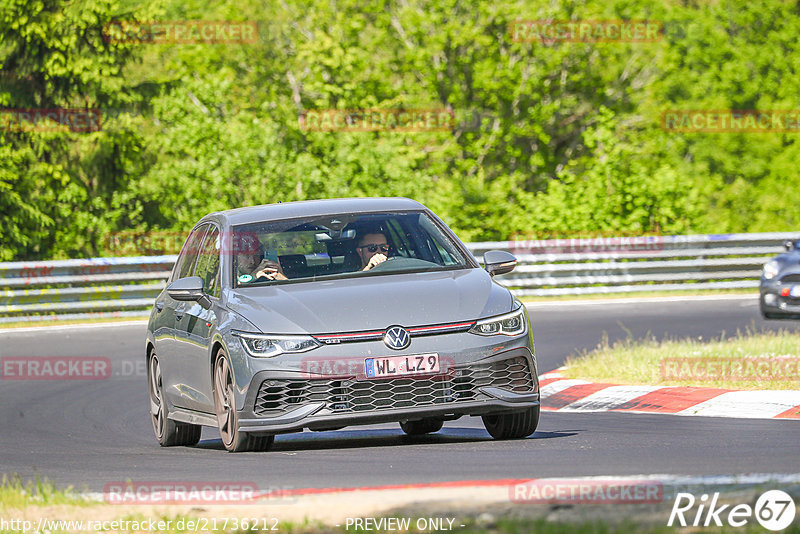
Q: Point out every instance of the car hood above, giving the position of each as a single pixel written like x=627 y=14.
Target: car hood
x=789 y=258
x=788 y=262
x=371 y=302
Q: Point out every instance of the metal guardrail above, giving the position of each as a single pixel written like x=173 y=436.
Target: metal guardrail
x=122 y=287
x=80 y=289
x=636 y=264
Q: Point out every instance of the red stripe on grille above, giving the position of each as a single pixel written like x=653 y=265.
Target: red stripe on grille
x=361 y=334
x=415 y=330
x=440 y=327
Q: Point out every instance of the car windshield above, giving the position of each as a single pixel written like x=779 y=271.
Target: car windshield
x=344 y=245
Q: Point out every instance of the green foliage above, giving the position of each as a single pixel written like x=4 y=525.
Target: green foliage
x=550 y=138
x=65 y=189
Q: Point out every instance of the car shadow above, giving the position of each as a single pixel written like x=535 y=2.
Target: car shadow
x=373 y=438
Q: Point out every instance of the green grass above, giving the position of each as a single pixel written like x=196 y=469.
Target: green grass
x=64 y=505
x=15 y=494
x=686 y=362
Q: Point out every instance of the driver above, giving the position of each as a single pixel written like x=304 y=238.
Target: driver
x=372 y=249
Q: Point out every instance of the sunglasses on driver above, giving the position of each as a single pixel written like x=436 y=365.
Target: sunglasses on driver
x=375 y=248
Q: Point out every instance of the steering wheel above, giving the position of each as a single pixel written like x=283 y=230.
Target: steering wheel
x=403 y=263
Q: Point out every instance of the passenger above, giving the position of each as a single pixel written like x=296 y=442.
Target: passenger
x=253 y=267
x=372 y=249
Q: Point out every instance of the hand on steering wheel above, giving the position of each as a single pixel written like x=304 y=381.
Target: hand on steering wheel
x=374 y=261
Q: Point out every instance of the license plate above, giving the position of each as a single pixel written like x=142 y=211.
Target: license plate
x=795 y=292
x=415 y=364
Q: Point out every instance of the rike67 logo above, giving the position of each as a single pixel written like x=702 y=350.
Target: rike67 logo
x=774 y=510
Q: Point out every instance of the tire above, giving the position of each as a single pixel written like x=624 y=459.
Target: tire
x=423 y=426
x=512 y=425
x=233 y=439
x=169 y=433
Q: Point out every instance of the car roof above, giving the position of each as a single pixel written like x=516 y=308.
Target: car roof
x=310 y=208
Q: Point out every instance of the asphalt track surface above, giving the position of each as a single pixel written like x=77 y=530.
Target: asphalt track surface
x=90 y=433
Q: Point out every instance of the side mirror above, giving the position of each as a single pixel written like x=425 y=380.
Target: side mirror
x=189 y=289
x=499 y=262
x=789 y=245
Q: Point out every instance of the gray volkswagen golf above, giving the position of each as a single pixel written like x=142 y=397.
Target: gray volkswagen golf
x=322 y=314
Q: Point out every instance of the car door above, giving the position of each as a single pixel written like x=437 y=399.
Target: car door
x=194 y=326
x=173 y=375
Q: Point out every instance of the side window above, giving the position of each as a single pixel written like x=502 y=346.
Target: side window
x=444 y=255
x=188 y=255
x=208 y=263
x=441 y=247
x=399 y=238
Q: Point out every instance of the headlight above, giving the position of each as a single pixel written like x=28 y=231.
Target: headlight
x=267 y=346
x=771 y=269
x=510 y=324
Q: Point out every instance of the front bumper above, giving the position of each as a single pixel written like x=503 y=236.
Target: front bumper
x=469 y=384
x=774 y=304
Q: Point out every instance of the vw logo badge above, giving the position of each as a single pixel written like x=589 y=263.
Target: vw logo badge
x=397 y=338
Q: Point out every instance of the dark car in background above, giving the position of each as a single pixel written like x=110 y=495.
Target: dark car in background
x=780 y=284
x=320 y=339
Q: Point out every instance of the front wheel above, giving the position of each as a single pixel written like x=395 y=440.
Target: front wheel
x=512 y=425
x=169 y=433
x=423 y=426
x=225 y=405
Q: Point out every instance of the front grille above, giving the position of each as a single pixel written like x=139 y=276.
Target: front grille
x=791 y=278
x=349 y=395
x=413 y=331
